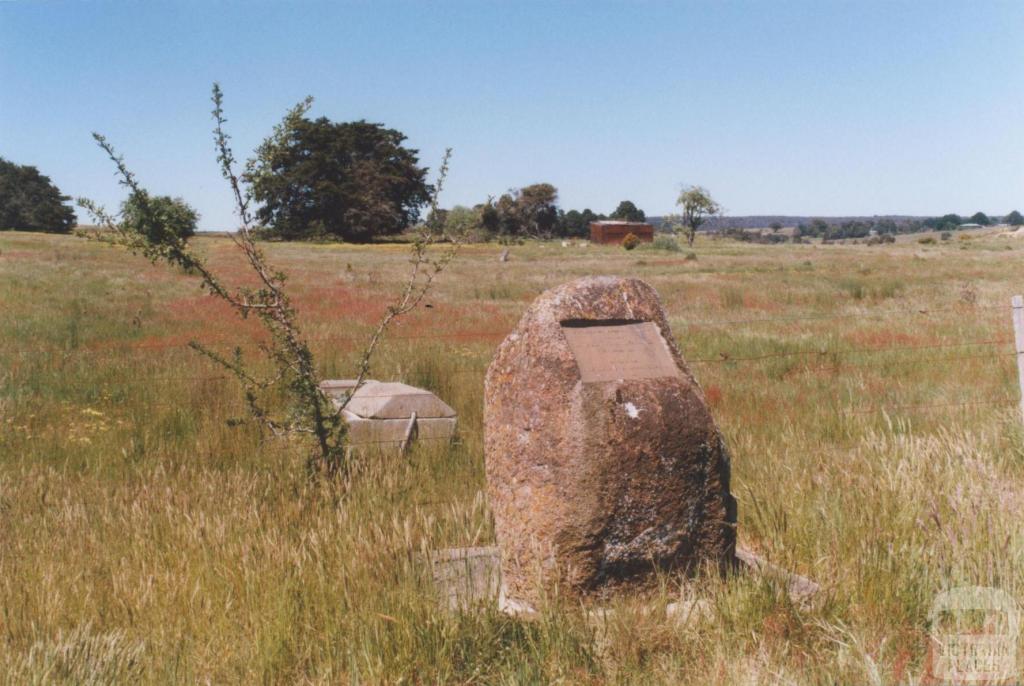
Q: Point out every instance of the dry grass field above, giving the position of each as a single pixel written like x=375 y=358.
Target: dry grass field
x=867 y=393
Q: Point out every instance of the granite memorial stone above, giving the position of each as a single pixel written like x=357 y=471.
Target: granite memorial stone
x=603 y=461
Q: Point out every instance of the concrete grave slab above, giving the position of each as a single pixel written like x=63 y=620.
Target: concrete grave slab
x=389 y=414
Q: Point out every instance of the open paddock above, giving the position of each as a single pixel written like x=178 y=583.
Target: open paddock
x=868 y=395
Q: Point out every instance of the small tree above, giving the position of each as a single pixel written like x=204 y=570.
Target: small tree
x=818 y=227
x=150 y=216
x=527 y=211
x=981 y=218
x=1014 y=218
x=437 y=219
x=307 y=412
x=537 y=207
x=775 y=227
x=462 y=219
x=576 y=224
x=29 y=201
x=697 y=205
x=571 y=224
x=490 y=218
x=628 y=212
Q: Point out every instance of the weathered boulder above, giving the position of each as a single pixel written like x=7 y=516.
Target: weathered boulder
x=603 y=461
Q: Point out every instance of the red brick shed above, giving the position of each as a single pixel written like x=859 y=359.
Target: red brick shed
x=614 y=231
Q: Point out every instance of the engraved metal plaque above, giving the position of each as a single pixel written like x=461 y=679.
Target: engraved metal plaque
x=633 y=350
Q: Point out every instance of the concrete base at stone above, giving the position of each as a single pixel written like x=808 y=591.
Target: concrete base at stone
x=465 y=577
x=469 y=577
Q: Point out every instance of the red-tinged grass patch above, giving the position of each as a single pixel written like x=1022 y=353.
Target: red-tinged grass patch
x=340 y=305
x=713 y=394
x=214 y=317
x=752 y=301
x=681 y=262
x=179 y=340
x=477 y=323
x=230 y=266
x=18 y=254
x=877 y=387
x=198 y=308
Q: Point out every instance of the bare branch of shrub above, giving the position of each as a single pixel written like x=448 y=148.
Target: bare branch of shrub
x=421 y=276
x=309 y=412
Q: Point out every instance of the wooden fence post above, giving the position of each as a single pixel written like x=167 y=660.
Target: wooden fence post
x=1018 y=335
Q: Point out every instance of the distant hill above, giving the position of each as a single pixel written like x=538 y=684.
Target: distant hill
x=766 y=220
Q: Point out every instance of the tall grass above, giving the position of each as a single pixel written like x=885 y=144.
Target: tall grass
x=147 y=537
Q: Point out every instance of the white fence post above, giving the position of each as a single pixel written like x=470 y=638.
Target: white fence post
x=1018 y=335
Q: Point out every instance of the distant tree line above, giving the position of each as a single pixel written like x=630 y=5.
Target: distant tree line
x=819 y=228
x=528 y=212
x=357 y=181
x=29 y=201
x=881 y=230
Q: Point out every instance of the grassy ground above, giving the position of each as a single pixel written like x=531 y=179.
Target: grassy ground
x=144 y=539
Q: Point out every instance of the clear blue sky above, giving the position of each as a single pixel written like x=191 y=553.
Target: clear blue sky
x=818 y=107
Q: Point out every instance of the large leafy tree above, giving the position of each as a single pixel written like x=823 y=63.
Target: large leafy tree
x=353 y=181
x=628 y=212
x=29 y=201
x=980 y=218
x=1014 y=218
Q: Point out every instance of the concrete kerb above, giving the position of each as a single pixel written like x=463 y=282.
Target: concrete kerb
x=465 y=578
